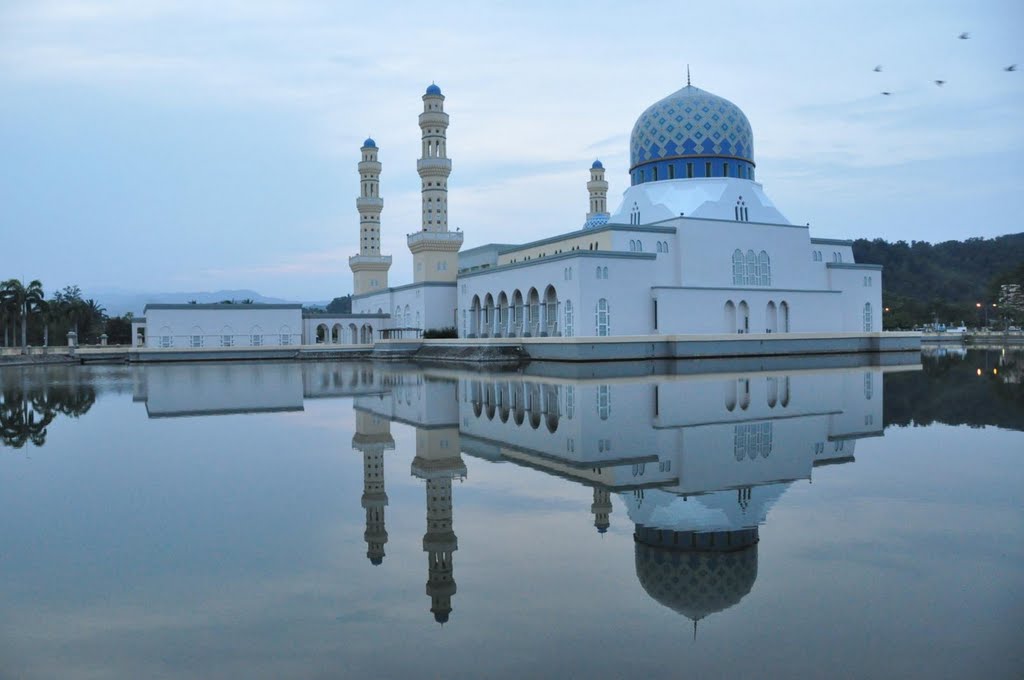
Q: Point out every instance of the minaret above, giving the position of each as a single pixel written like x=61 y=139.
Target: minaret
x=369 y=267
x=434 y=248
x=602 y=508
x=598 y=188
x=438 y=460
x=373 y=437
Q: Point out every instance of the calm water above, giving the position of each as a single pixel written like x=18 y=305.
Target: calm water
x=800 y=519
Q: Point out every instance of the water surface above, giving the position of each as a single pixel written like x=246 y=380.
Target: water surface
x=795 y=518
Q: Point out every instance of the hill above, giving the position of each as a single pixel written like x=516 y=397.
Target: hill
x=947 y=280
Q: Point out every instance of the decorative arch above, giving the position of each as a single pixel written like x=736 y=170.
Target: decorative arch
x=737 y=267
x=533 y=312
x=550 y=311
x=730 y=317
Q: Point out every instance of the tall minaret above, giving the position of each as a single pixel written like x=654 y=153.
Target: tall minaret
x=438 y=460
x=434 y=248
x=369 y=267
x=602 y=508
x=373 y=437
x=598 y=188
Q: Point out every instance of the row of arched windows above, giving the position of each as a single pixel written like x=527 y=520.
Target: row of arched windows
x=503 y=316
x=737 y=317
x=227 y=337
x=751 y=269
x=738 y=392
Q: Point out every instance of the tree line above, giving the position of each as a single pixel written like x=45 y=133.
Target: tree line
x=29 y=318
x=948 y=282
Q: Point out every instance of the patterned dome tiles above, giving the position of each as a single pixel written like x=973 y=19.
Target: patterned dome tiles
x=691 y=122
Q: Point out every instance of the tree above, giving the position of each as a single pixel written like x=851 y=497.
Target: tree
x=340 y=305
x=26 y=300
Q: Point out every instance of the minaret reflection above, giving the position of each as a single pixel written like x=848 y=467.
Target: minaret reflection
x=373 y=438
x=601 y=508
x=438 y=461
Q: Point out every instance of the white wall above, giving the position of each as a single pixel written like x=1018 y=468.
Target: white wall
x=178 y=327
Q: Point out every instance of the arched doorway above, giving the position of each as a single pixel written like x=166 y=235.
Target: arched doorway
x=784 y=316
x=730 y=317
x=353 y=334
x=474 y=317
x=321 y=333
x=516 y=314
x=487 y=322
x=336 y=334
x=771 y=318
x=533 y=313
x=502 y=314
x=550 y=312
x=744 y=317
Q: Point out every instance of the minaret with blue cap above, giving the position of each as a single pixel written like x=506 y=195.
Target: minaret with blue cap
x=369 y=267
x=598 y=188
x=435 y=250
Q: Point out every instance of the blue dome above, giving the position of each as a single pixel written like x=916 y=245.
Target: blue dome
x=433 y=89
x=597 y=166
x=370 y=143
x=692 y=124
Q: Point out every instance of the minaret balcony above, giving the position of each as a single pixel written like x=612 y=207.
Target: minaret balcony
x=435 y=240
x=443 y=165
x=373 y=262
x=370 y=202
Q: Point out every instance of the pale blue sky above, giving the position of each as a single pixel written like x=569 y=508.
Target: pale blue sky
x=171 y=145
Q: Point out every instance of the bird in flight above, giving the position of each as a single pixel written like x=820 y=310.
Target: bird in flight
x=887 y=93
x=940 y=83
x=965 y=36
x=878 y=69
x=1011 y=67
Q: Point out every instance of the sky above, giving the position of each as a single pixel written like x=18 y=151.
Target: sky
x=189 y=146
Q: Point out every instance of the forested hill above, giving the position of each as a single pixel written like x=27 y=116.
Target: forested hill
x=954 y=272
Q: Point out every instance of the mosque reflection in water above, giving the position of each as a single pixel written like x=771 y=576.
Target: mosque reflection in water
x=697 y=460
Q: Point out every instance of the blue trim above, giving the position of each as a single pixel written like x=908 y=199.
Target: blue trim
x=679 y=167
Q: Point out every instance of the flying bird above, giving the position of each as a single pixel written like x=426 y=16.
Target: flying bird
x=1011 y=67
x=878 y=69
x=887 y=93
x=965 y=36
x=940 y=83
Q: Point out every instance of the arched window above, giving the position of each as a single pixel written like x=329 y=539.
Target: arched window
x=602 y=318
x=744 y=389
x=632 y=246
x=764 y=269
x=568 y=318
x=598 y=272
x=604 y=272
x=658 y=246
x=604 y=401
x=750 y=277
x=868 y=321
x=737 y=267
x=740 y=210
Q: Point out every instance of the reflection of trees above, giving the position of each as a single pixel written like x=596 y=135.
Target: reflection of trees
x=950 y=390
x=26 y=412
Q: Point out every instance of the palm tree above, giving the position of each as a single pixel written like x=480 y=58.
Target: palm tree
x=27 y=300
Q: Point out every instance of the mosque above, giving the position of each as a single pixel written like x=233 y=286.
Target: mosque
x=694 y=247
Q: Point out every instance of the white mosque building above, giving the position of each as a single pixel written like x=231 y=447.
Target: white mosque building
x=694 y=247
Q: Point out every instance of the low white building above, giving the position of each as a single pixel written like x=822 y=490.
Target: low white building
x=219 y=325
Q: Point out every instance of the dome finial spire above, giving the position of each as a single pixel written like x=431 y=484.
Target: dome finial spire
x=688 y=75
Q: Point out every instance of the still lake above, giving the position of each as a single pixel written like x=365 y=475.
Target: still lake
x=798 y=518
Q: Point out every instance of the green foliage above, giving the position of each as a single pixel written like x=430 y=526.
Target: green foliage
x=923 y=283
x=439 y=333
x=984 y=388
x=340 y=305
x=119 y=330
